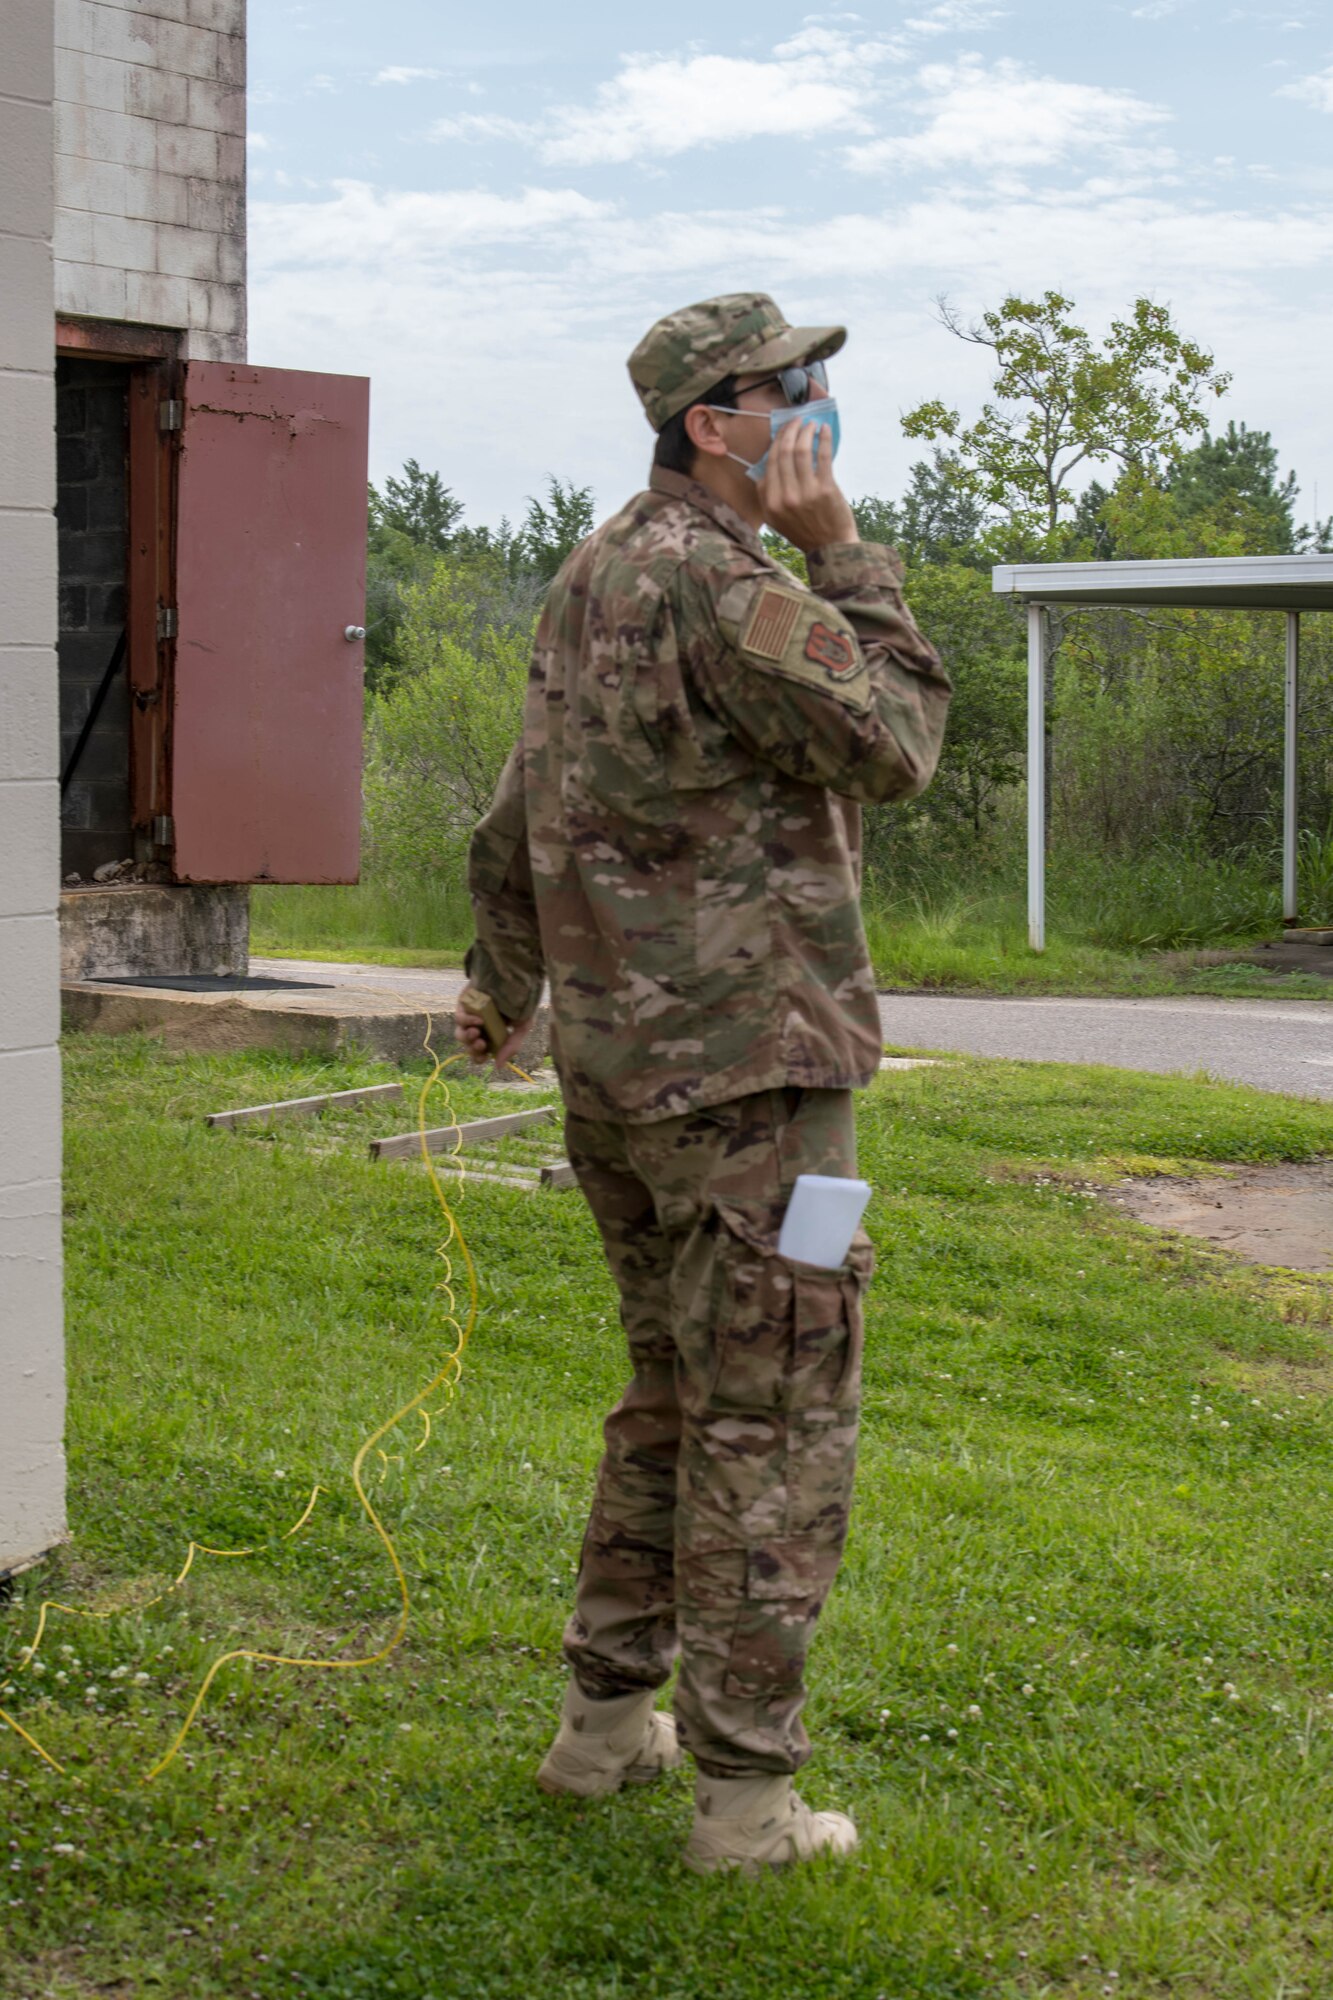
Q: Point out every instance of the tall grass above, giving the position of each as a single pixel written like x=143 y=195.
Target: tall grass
x=1114 y=923
x=423 y=918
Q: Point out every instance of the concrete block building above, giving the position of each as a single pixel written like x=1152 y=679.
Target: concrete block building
x=182 y=546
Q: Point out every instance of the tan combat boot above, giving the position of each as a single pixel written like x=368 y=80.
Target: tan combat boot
x=757 y=1823
x=602 y=1745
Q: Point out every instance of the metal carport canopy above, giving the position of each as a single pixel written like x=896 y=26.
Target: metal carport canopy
x=1290 y=584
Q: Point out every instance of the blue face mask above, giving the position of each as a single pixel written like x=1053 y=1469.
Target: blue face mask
x=821 y=415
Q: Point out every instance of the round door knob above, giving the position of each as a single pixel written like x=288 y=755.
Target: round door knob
x=353 y=632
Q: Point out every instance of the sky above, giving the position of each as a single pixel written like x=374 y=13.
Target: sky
x=483 y=210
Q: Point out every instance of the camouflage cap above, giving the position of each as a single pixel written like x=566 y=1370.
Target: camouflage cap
x=743 y=333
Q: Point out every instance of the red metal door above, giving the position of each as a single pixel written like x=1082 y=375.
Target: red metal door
x=265 y=743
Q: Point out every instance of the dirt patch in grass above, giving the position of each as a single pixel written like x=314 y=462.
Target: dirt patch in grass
x=1280 y=1215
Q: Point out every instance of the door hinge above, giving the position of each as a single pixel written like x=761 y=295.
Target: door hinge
x=166 y=621
x=171 y=414
x=164 y=830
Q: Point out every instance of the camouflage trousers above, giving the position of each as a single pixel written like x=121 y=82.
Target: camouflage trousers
x=721 y=1502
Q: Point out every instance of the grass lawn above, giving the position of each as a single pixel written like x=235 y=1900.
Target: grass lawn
x=1076 y=1680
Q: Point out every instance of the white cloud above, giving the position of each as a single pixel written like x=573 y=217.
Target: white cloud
x=538 y=297
x=480 y=125
x=1316 y=91
x=821 y=80
x=403 y=73
x=952 y=17
x=258 y=142
x=377 y=233
x=659 y=106
x=1006 y=117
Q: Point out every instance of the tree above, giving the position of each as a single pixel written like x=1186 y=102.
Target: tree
x=438 y=735
x=419 y=506
x=1061 y=401
x=939 y=518
x=553 y=531
x=1222 y=497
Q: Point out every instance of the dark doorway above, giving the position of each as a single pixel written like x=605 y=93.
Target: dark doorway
x=92 y=513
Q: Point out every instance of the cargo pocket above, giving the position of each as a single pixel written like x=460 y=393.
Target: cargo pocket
x=785 y=1587
x=785 y=1336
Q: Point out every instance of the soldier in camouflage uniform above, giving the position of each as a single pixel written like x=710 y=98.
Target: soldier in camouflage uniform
x=675 y=845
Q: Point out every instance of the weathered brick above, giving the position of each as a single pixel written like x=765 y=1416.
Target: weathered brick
x=158 y=94
x=155 y=196
x=92 y=184
x=182 y=150
x=121 y=32
x=187 y=253
x=216 y=107
x=232 y=59
x=154 y=299
x=89 y=290
x=215 y=206
x=91 y=134
x=74 y=235
x=93 y=80
x=123 y=244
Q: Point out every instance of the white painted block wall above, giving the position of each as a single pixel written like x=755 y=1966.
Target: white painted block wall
x=32 y=1394
x=150 y=166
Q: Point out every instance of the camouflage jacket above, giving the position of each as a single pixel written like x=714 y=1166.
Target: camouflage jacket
x=676 y=841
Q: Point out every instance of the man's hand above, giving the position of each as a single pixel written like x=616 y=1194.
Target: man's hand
x=800 y=496
x=470 y=1035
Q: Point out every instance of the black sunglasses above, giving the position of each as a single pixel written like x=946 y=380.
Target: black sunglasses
x=796 y=382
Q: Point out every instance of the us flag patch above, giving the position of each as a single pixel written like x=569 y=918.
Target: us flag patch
x=770 y=623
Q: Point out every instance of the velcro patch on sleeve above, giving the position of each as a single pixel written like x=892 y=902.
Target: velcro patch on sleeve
x=772 y=618
x=834 y=651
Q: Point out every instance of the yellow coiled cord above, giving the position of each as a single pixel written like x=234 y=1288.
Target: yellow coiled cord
x=446 y=1378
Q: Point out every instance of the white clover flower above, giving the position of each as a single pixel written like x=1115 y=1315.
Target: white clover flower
x=119 y=1673
x=141 y=1678
x=975 y=1712
x=62 y=1847
x=90 y=1694
x=1028 y=1688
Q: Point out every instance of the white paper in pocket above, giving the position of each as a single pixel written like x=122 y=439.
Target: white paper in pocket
x=821 y=1219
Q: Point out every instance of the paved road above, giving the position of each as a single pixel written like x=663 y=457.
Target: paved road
x=1272 y=1044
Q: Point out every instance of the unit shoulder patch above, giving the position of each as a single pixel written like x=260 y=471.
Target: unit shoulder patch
x=795 y=635
x=834 y=651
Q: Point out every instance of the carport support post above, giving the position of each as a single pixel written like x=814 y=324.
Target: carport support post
x=1037 y=776
x=1291 y=710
